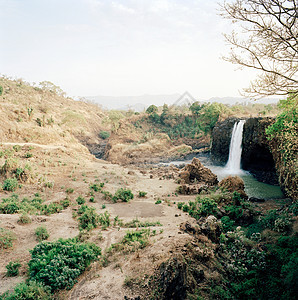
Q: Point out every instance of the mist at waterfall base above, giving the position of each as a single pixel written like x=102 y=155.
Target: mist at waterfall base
x=253 y=188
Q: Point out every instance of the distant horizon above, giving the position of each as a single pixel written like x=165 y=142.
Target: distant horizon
x=84 y=47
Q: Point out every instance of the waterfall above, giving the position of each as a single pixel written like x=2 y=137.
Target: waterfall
x=234 y=162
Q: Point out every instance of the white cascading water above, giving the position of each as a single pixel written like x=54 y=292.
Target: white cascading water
x=234 y=163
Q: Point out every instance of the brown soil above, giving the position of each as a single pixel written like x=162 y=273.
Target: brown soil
x=68 y=169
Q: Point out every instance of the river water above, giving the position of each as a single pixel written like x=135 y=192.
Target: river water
x=253 y=188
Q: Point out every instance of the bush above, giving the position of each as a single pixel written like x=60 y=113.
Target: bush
x=58 y=264
x=69 y=190
x=142 y=194
x=10 y=184
x=208 y=207
x=65 y=203
x=80 y=200
x=1 y=90
x=227 y=224
x=24 y=219
x=41 y=233
x=123 y=194
x=31 y=290
x=6 y=238
x=104 y=135
x=89 y=219
x=152 y=109
x=12 y=268
x=52 y=208
x=96 y=187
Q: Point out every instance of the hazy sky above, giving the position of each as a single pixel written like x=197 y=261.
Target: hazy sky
x=119 y=48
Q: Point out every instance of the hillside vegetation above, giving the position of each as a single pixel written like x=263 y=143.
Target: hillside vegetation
x=76 y=227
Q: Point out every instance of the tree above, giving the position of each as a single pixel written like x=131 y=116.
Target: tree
x=268 y=42
x=151 y=109
x=196 y=107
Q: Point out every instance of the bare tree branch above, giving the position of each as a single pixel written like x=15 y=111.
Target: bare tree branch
x=268 y=42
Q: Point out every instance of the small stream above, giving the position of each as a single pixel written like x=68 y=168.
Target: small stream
x=253 y=188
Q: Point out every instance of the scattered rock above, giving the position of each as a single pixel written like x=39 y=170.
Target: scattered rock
x=211 y=228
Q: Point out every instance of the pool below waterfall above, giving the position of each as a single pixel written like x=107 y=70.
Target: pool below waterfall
x=253 y=187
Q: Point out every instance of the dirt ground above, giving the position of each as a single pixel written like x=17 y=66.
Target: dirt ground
x=65 y=169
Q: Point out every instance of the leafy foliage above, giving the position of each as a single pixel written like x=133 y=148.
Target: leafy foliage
x=123 y=194
x=31 y=290
x=88 y=219
x=104 y=135
x=12 y=268
x=58 y=264
x=10 y=184
x=41 y=233
x=283 y=136
x=6 y=238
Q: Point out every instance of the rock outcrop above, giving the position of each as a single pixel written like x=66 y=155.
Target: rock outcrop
x=221 y=137
x=256 y=155
x=196 y=178
x=234 y=183
x=195 y=172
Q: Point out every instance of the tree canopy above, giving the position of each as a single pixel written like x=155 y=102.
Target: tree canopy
x=268 y=42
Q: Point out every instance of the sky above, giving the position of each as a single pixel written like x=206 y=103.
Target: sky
x=120 y=47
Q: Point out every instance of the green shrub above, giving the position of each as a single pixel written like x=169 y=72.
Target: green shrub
x=91 y=199
x=31 y=290
x=12 y=268
x=180 y=205
x=28 y=155
x=10 y=184
x=158 y=201
x=142 y=194
x=96 y=187
x=69 y=190
x=10 y=206
x=208 y=207
x=50 y=209
x=41 y=233
x=24 y=219
x=89 y=219
x=227 y=224
x=58 y=264
x=123 y=194
x=107 y=195
x=185 y=208
x=269 y=219
x=65 y=203
x=104 y=219
x=104 y=135
x=1 y=90
x=6 y=238
x=235 y=212
x=80 y=200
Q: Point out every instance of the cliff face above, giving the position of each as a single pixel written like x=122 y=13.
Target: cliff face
x=221 y=137
x=256 y=155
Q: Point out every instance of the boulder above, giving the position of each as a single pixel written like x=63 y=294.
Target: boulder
x=234 y=184
x=195 y=173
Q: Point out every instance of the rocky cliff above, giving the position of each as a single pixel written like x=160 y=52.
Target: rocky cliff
x=221 y=137
x=256 y=155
